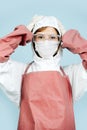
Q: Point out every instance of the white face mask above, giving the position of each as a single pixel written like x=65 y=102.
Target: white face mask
x=47 y=48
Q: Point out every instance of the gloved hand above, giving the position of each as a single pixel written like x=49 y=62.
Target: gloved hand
x=20 y=36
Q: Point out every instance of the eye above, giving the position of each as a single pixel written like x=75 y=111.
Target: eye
x=40 y=36
x=53 y=37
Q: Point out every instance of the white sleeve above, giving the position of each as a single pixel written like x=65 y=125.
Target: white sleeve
x=11 y=78
x=78 y=79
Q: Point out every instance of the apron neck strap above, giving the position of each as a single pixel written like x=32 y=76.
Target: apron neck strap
x=62 y=71
x=28 y=67
x=33 y=61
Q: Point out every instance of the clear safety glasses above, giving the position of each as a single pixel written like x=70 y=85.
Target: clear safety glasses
x=43 y=37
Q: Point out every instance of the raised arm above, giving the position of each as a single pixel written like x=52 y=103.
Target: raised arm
x=77 y=73
x=76 y=44
x=11 y=71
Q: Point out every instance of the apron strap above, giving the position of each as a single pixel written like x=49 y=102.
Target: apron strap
x=62 y=71
x=27 y=67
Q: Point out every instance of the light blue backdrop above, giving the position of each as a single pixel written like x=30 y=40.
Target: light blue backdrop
x=73 y=14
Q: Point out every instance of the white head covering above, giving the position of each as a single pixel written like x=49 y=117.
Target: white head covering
x=43 y=21
x=53 y=63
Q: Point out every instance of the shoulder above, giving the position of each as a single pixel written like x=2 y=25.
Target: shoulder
x=13 y=66
x=72 y=68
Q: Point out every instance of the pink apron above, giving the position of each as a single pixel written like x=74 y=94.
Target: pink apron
x=46 y=102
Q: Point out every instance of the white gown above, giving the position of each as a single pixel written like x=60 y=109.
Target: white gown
x=11 y=76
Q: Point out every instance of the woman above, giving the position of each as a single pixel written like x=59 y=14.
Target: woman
x=47 y=94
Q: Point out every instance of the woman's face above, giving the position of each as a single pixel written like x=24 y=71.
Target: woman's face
x=43 y=37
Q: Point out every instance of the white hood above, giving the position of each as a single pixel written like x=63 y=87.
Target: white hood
x=43 y=21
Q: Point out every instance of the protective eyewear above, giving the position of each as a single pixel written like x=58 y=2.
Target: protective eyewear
x=43 y=37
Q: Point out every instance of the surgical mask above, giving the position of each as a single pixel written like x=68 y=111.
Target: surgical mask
x=47 y=48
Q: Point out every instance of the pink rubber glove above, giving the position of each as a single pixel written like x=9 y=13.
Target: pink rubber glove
x=76 y=44
x=20 y=36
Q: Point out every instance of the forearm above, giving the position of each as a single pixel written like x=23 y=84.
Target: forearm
x=76 y=44
x=9 y=43
x=7 y=47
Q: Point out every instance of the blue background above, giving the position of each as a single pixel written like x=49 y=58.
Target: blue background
x=73 y=14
